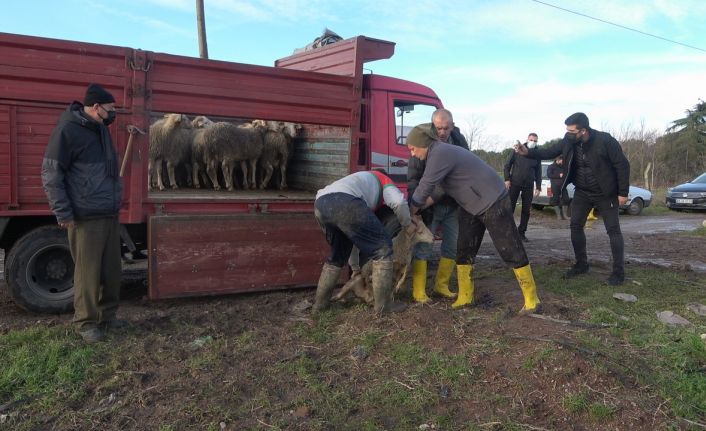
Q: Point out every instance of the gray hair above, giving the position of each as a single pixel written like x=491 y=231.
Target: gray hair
x=441 y=112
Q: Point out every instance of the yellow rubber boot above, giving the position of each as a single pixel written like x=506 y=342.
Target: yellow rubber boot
x=529 y=290
x=443 y=275
x=592 y=215
x=464 y=273
x=419 y=281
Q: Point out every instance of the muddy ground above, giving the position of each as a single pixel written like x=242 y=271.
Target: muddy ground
x=157 y=388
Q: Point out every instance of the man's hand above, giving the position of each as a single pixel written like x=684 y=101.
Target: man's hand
x=69 y=224
x=622 y=200
x=507 y=184
x=536 y=192
x=521 y=149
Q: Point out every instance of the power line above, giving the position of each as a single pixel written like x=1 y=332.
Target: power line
x=619 y=25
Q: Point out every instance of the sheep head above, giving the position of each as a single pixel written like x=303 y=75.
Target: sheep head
x=201 y=122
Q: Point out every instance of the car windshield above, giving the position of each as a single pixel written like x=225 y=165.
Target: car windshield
x=701 y=179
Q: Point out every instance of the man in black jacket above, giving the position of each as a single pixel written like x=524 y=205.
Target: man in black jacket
x=555 y=173
x=443 y=213
x=594 y=162
x=520 y=174
x=81 y=181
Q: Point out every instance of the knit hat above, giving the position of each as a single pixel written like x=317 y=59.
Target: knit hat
x=420 y=136
x=97 y=94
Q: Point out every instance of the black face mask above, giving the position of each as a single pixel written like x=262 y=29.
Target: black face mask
x=111 y=117
x=571 y=137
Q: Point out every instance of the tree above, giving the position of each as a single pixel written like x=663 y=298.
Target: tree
x=694 y=121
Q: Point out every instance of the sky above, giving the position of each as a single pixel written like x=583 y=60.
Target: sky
x=504 y=68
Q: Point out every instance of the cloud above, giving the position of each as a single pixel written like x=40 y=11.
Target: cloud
x=144 y=20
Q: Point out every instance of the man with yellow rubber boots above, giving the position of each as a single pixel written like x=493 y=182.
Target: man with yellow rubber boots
x=443 y=213
x=483 y=203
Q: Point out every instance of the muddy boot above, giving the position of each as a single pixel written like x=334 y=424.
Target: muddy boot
x=559 y=215
x=529 y=290
x=419 y=281
x=443 y=276
x=464 y=273
x=327 y=281
x=382 y=288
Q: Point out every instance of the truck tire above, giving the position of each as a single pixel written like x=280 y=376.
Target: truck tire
x=635 y=207
x=39 y=270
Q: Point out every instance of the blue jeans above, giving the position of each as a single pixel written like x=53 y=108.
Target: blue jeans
x=346 y=220
x=445 y=216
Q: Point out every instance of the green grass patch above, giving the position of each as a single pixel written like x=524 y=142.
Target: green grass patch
x=576 y=403
x=667 y=358
x=50 y=364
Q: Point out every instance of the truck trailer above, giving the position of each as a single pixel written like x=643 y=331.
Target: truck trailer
x=198 y=241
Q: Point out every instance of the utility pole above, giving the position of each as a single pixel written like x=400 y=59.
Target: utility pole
x=201 y=24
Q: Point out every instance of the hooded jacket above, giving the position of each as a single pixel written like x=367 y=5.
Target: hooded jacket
x=416 y=167
x=605 y=157
x=80 y=168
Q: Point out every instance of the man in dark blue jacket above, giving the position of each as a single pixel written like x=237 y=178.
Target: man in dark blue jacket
x=594 y=162
x=80 y=178
x=521 y=174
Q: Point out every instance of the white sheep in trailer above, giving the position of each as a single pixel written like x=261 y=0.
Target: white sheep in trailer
x=198 y=167
x=227 y=144
x=170 y=142
x=276 y=152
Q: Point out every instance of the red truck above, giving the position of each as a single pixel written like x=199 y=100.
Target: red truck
x=199 y=242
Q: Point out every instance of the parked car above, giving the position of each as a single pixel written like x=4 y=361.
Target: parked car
x=688 y=196
x=638 y=198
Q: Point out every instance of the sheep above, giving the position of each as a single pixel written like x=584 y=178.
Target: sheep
x=226 y=143
x=199 y=124
x=362 y=285
x=170 y=141
x=277 y=151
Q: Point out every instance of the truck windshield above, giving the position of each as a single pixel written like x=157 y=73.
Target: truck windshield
x=408 y=115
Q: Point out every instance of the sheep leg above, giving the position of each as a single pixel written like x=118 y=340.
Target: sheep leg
x=227 y=168
x=283 y=174
x=213 y=174
x=195 y=175
x=253 y=168
x=170 y=172
x=267 y=175
x=244 y=167
x=158 y=167
x=189 y=178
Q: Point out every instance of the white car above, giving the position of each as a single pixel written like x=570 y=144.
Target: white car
x=638 y=198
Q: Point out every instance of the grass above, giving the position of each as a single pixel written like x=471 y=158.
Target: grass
x=400 y=383
x=44 y=363
x=667 y=358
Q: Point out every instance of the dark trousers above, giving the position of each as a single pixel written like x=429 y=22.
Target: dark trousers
x=499 y=222
x=95 y=248
x=527 y=193
x=609 y=210
x=346 y=220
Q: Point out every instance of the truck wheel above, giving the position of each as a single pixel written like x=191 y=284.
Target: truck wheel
x=635 y=207
x=39 y=270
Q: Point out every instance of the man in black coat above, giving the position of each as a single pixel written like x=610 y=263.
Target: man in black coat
x=82 y=184
x=594 y=162
x=555 y=173
x=521 y=173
